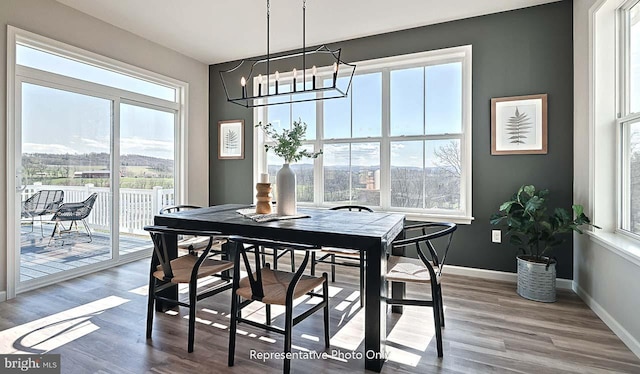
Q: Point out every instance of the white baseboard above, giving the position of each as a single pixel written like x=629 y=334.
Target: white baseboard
x=565 y=284
x=616 y=327
x=3 y=296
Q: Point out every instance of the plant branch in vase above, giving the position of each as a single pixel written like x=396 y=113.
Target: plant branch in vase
x=288 y=143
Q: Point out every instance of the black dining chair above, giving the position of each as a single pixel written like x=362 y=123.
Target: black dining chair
x=426 y=269
x=347 y=257
x=273 y=287
x=167 y=271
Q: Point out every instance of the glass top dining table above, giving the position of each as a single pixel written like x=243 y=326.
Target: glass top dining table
x=369 y=232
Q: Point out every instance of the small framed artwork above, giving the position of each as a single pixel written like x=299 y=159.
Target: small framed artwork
x=231 y=140
x=519 y=125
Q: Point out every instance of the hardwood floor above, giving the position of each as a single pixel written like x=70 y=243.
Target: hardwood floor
x=97 y=324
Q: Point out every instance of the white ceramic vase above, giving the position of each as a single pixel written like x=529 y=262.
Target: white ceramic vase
x=286 y=193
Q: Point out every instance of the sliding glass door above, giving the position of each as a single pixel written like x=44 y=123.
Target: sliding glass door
x=66 y=183
x=147 y=170
x=95 y=154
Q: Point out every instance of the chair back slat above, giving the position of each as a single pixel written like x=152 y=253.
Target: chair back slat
x=351 y=208
x=178 y=208
x=160 y=248
x=424 y=246
x=257 y=290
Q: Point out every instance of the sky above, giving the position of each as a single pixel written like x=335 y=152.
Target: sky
x=423 y=100
x=59 y=121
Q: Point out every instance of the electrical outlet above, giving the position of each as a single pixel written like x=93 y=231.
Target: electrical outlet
x=496 y=236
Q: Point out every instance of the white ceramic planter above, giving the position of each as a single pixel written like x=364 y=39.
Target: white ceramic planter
x=286 y=193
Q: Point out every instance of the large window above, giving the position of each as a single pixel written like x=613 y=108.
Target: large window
x=630 y=117
x=401 y=140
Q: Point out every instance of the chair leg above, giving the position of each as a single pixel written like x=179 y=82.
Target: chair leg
x=86 y=227
x=275 y=259
x=267 y=308
x=41 y=229
x=313 y=264
x=233 y=328
x=362 y=270
x=325 y=296
x=441 y=305
x=333 y=268
x=150 y=304
x=436 y=318
x=192 y=315
x=53 y=233
x=288 y=326
x=293 y=262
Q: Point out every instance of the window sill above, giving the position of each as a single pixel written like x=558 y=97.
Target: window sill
x=412 y=216
x=621 y=245
x=437 y=218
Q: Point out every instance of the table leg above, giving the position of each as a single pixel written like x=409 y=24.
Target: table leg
x=398 y=289
x=375 y=312
x=171 y=241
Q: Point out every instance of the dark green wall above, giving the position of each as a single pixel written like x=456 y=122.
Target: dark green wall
x=521 y=52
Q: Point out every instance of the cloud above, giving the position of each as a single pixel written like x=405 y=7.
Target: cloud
x=95 y=145
x=47 y=148
x=140 y=146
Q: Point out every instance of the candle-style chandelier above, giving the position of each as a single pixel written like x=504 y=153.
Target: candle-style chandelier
x=309 y=75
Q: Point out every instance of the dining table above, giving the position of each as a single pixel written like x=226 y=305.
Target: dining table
x=369 y=232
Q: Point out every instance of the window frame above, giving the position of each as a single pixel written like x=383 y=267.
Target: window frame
x=462 y=54
x=625 y=119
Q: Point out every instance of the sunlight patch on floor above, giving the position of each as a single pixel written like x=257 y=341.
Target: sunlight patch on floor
x=414 y=329
x=310 y=337
x=354 y=296
x=56 y=330
x=351 y=334
x=402 y=357
x=142 y=290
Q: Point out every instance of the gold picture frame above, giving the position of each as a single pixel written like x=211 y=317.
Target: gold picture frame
x=519 y=125
x=231 y=140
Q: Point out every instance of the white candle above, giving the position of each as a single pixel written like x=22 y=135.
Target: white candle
x=264 y=178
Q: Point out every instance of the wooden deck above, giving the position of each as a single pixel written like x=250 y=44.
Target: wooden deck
x=97 y=324
x=38 y=257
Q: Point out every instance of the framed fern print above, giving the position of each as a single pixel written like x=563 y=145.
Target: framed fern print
x=519 y=125
x=231 y=140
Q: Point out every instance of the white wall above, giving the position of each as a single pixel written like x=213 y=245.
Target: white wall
x=605 y=280
x=54 y=20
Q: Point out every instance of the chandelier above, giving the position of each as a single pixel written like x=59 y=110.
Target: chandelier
x=308 y=75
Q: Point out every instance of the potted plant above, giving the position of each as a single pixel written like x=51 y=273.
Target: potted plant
x=288 y=143
x=536 y=234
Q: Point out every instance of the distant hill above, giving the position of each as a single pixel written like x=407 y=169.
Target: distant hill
x=94 y=160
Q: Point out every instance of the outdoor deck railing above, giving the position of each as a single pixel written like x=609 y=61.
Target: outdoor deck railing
x=137 y=206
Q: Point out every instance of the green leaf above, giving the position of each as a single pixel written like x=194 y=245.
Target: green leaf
x=496 y=219
x=529 y=190
x=533 y=204
x=505 y=206
x=578 y=210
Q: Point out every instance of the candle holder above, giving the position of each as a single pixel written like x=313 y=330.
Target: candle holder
x=263 y=205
